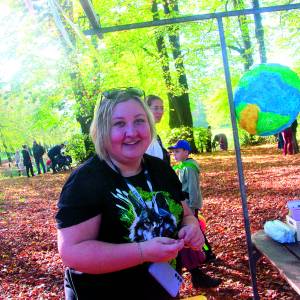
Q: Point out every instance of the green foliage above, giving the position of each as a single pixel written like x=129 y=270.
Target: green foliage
x=201 y=136
x=89 y=145
x=75 y=148
x=181 y=133
x=247 y=139
x=185 y=133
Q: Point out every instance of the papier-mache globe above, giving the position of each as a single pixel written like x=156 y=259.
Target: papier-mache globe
x=267 y=99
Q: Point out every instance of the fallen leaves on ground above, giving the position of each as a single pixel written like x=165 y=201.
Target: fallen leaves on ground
x=30 y=266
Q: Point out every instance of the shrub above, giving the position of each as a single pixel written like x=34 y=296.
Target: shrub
x=76 y=148
x=200 y=135
x=180 y=133
x=247 y=139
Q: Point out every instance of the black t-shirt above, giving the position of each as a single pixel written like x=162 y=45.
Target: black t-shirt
x=95 y=188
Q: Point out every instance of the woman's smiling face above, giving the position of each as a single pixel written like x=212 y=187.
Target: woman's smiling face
x=130 y=133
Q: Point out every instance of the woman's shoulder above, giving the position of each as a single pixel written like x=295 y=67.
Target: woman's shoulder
x=93 y=169
x=157 y=165
x=153 y=160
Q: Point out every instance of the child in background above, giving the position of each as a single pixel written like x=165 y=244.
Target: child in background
x=188 y=172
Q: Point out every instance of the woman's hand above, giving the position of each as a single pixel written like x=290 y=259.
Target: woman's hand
x=192 y=236
x=190 y=231
x=160 y=249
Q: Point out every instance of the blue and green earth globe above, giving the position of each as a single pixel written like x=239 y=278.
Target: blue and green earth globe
x=267 y=99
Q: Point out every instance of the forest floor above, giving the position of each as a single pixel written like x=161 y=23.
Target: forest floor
x=30 y=267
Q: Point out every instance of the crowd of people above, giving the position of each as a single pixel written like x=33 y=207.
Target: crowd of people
x=24 y=158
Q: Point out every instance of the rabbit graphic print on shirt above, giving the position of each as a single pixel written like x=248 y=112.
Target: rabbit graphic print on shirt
x=153 y=214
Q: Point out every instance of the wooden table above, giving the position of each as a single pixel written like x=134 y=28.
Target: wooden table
x=285 y=257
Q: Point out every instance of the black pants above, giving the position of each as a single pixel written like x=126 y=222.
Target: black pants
x=87 y=290
x=39 y=161
x=70 y=293
x=29 y=167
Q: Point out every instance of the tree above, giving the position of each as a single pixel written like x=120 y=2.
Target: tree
x=259 y=33
x=246 y=50
x=179 y=104
x=34 y=97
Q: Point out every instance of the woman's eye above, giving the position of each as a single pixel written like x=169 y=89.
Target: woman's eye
x=119 y=124
x=139 y=121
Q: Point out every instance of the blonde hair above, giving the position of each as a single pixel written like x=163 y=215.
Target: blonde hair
x=101 y=124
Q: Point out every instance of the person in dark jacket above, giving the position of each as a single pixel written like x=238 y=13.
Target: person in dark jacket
x=55 y=154
x=294 y=138
x=27 y=160
x=38 y=152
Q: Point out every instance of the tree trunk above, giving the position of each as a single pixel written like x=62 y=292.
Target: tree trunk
x=5 y=146
x=179 y=113
x=84 y=116
x=259 y=33
x=174 y=116
x=243 y=24
x=183 y=101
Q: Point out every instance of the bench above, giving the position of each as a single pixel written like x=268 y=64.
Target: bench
x=285 y=257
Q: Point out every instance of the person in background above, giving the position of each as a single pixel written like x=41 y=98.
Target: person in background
x=38 y=152
x=221 y=139
x=156 y=147
x=294 y=138
x=208 y=139
x=122 y=210
x=287 y=136
x=279 y=140
x=19 y=162
x=27 y=161
x=55 y=154
x=188 y=172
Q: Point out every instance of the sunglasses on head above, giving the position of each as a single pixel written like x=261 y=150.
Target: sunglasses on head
x=113 y=94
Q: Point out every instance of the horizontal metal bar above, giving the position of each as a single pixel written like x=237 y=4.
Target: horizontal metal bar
x=90 y=13
x=193 y=18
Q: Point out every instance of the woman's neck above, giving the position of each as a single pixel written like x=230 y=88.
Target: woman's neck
x=127 y=170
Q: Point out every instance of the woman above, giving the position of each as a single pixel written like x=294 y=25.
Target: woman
x=156 y=148
x=27 y=161
x=19 y=162
x=121 y=210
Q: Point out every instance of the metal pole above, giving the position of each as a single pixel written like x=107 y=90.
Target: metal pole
x=193 y=18
x=238 y=159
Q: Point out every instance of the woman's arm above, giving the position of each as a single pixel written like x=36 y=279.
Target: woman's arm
x=190 y=231
x=80 y=250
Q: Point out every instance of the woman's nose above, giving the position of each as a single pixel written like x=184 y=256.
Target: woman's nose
x=130 y=130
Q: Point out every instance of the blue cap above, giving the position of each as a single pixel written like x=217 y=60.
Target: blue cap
x=182 y=144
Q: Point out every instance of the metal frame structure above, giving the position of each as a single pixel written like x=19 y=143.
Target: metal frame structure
x=99 y=31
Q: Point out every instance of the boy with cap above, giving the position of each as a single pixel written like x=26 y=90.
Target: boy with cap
x=188 y=172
